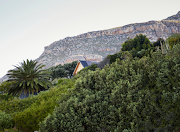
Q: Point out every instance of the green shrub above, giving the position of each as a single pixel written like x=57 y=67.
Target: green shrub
x=129 y=95
x=57 y=81
x=16 y=105
x=29 y=119
x=5 y=86
x=137 y=43
x=65 y=70
x=6 y=121
x=6 y=97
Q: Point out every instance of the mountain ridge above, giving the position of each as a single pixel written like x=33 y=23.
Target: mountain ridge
x=95 y=45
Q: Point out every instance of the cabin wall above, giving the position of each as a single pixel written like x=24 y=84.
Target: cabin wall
x=79 y=67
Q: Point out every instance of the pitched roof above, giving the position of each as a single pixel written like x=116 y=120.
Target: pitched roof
x=83 y=63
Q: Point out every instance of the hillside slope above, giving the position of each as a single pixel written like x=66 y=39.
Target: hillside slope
x=96 y=45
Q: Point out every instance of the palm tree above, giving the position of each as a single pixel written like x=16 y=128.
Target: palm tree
x=28 y=77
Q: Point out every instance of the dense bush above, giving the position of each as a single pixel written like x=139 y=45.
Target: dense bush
x=45 y=104
x=16 y=105
x=137 y=43
x=61 y=71
x=139 y=46
x=173 y=40
x=5 y=121
x=28 y=112
x=5 y=86
x=129 y=95
x=6 y=97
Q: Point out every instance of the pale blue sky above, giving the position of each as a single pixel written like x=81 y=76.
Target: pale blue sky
x=27 y=26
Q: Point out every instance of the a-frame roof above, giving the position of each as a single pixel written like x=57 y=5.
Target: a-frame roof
x=84 y=63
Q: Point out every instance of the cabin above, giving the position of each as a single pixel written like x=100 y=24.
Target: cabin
x=82 y=64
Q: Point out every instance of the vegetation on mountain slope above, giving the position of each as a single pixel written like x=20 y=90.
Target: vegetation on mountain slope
x=133 y=93
x=61 y=71
x=6 y=121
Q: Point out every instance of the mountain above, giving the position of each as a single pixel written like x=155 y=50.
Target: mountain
x=174 y=17
x=94 y=46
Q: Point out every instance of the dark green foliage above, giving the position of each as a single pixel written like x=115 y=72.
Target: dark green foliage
x=5 y=86
x=129 y=95
x=28 y=112
x=138 y=47
x=173 y=40
x=122 y=55
x=16 y=105
x=6 y=97
x=28 y=77
x=138 y=43
x=60 y=81
x=61 y=71
x=115 y=56
x=45 y=104
x=6 y=121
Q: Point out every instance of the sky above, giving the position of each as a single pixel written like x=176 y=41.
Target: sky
x=27 y=26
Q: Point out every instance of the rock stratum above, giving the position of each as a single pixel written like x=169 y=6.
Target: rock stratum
x=94 y=46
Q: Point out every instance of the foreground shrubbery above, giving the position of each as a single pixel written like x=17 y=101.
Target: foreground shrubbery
x=130 y=95
x=6 y=121
x=27 y=113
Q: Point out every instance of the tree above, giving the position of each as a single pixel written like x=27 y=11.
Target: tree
x=5 y=86
x=6 y=121
x=137 y=43
x=173 y=40
x=132 y=94
x=61 y=71
x=28 y=77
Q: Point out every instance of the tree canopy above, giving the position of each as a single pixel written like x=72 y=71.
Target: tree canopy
x=28 y=77
x=173 y=40
x=137 y=43
x=134 y=94
x=61 y=71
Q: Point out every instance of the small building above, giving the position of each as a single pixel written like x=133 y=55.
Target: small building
x=82 y=64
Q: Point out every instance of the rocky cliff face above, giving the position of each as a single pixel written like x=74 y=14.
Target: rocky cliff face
x=174 y=17
x=94 y=46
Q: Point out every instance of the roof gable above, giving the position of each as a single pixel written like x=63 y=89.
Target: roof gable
x=83 y=63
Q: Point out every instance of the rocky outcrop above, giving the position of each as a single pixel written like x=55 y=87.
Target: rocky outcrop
x=174 y=17
x=94 y=46
x=98 y=44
